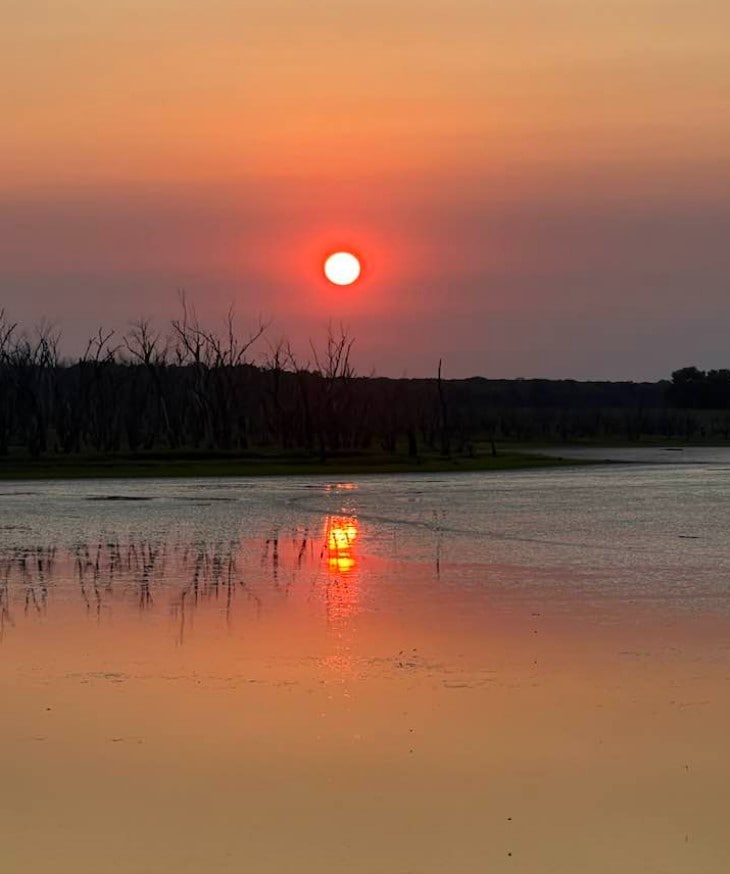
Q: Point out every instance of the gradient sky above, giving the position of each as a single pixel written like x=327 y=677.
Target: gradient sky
x=538 y=188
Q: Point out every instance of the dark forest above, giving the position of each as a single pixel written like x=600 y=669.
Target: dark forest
x=191 y=389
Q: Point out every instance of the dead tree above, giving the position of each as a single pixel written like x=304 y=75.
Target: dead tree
x=443 y=416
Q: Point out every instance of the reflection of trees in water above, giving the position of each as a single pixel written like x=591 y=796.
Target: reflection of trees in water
x=181 y=577
x=103 y=567
x=102 y=571
x=139 y=572
x=287 y=550
x=271 y=554
x=5 y=617
x=32 y=571
x=215 y=577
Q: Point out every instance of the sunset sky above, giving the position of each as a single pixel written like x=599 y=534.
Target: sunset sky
x=537 y=188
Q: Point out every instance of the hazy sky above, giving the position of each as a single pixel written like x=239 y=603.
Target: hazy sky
x=538 y=187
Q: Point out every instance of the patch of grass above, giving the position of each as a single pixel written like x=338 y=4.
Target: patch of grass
x=188 y=464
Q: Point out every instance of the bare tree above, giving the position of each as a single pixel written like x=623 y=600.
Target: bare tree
x=150 y=349
x=7 y=394
x=443 y=416
x=336 y=373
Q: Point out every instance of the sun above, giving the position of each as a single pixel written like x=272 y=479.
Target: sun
x=342 y=268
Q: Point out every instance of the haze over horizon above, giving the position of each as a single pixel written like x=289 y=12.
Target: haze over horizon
x=538 y=189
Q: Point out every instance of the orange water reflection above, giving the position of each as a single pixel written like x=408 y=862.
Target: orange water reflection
x=341 y=564
x=350 y=692
x=340 y=535
x=342 y=590
x=227 y=578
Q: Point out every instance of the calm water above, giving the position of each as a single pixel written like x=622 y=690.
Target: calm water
x=521 y=672
x=634 y=533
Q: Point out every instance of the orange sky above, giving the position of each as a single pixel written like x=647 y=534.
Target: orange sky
x=533 y=185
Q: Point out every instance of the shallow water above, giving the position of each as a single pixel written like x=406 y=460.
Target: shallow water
x=520 y=672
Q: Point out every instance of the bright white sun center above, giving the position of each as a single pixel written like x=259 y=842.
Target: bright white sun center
x=342 y=268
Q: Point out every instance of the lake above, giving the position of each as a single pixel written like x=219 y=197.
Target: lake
x=519 y=672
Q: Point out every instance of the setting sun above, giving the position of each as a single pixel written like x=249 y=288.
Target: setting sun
x=342 y=268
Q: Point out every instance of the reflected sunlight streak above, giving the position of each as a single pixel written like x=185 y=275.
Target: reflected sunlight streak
x=343 y=596
x=340 y=535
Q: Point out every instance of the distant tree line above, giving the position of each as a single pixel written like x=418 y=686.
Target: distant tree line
x=193 y=389
x=700 y=389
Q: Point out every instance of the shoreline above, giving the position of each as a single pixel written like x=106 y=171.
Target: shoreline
x=188 y=467
x=191 y=464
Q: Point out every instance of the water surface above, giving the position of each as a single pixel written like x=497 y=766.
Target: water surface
x=520 y=672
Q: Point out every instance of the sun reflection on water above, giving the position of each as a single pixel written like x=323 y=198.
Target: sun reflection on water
x=342 y=589
x=341 y=532
x=341 y=535
x=235 y=578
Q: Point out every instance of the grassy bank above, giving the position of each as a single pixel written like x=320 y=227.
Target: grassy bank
x=219 y=465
